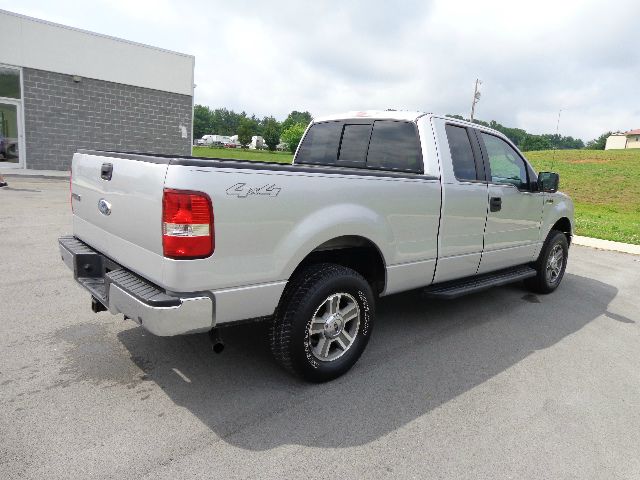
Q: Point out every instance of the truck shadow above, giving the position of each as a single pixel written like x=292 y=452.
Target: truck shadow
x=423 y=353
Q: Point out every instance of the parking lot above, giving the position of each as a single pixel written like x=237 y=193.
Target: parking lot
x=500 y=384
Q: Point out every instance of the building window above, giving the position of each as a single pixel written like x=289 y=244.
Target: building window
x=9 y=82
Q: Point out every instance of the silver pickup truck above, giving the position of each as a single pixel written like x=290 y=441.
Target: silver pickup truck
x=375 y=203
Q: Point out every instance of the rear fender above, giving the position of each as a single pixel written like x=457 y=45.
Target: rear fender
x=328 y=223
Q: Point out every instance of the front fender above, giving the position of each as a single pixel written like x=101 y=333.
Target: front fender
x=556 y=206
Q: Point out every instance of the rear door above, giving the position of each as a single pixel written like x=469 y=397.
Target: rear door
x=515 y=208
x=464 y=202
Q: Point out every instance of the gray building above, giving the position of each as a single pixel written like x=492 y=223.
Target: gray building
x=64 y=89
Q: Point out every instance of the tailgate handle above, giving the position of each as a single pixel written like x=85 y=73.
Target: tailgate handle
x=106 y=171
x=495 y=204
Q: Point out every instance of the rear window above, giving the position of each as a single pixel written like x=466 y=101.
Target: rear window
x=385 y=145
x=394 y=146
x=320 y=144
x=354 y=143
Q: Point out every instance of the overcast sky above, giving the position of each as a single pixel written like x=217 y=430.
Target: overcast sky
x=271 y=57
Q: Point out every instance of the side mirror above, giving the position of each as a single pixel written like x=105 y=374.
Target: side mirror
x=548 y=182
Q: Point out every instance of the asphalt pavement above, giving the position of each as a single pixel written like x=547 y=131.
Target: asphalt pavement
x=500 y=384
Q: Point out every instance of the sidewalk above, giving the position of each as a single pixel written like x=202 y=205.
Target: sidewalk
x=606 y=245
x=23 y=172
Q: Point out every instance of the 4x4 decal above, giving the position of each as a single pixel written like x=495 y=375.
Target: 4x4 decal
x=241 y=190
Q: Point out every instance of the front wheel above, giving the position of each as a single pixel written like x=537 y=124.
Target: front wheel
x=551 y=263
x=323 y=322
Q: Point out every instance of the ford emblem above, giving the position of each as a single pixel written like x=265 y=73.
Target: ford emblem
x=104 y=207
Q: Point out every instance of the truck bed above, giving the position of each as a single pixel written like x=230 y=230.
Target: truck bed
x=267 y=218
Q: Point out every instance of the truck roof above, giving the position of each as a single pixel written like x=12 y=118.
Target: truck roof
x=409 y=115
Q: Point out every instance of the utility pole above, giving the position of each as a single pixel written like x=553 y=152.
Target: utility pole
x=476 y=98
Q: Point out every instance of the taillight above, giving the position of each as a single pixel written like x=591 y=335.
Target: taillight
x=187 y=224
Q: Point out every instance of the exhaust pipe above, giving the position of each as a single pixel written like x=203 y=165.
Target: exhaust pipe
x=216 y=341
x=96 y=306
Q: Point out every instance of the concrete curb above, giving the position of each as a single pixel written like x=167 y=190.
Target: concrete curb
x=606 y=245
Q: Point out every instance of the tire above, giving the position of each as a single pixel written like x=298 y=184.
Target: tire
x=323 y=323
x=551 y=264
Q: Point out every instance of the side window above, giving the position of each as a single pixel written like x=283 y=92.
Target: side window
x=394 y=146
x=464 y=165
x=320 y=145
x=354 y=143
x=505 y=164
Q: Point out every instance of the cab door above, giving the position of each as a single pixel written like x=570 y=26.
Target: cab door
x=512 y=234
x=464 y=201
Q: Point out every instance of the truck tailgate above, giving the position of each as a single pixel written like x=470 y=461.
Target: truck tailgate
x=117 y=206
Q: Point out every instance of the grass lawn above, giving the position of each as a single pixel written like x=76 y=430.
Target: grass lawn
x=604 y=184
x=605 y=187
x=243 y=154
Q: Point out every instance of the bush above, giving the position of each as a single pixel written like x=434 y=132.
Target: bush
x=292 y=136
x=271 y=133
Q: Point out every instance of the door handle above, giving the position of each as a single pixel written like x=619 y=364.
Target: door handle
x=495 y=204
x=106 y=171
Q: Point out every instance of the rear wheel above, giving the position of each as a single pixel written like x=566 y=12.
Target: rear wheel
x=323 y=322
x=551 y=263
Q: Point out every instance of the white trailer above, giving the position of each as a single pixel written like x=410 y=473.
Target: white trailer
x=257 y=142
x=215 y=139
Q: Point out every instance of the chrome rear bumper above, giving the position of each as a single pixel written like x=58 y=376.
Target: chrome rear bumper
x=121 y=291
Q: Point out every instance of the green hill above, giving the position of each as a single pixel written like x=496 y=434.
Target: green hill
x=605 y=186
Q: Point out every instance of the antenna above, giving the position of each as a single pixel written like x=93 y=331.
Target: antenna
x=476 y=98
x=555 y=147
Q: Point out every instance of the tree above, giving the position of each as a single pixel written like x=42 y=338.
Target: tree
x=598 y=143
x=246 y=130
x=527 y=141
x=259 y=126
x=202 y=121
x=292 y=136
x=297 y=117
x=534 y=142
x=226 y=122
x=271 y=132
x=562 y=143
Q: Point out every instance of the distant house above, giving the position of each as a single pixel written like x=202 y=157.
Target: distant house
x=618 y=141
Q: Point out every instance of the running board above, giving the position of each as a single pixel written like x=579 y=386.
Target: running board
x=456 y=288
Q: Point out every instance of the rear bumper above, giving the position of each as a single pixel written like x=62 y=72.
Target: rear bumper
x=121 y=291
